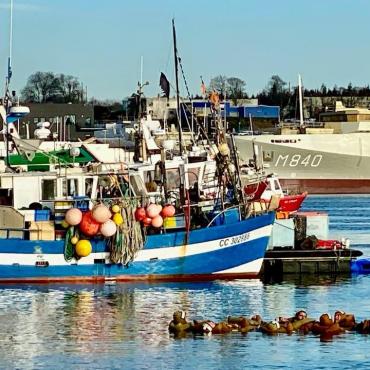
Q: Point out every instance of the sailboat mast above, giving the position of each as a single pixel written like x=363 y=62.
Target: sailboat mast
x=300 y=100
x=177 y=85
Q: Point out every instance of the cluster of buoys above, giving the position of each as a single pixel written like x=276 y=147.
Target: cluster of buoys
x=100 y=219
x=154 y=214
x=326 y=326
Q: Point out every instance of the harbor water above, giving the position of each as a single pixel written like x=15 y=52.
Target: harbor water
x=124 y=326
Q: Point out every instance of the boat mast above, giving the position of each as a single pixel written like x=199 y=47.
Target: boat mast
x=177 y=86
x=300 y=101
x=7 y=83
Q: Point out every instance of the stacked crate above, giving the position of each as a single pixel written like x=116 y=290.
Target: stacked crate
x=60 y=209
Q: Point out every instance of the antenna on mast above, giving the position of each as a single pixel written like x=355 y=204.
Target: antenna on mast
x=301 y=122
x=141 y=70
x=9 y=76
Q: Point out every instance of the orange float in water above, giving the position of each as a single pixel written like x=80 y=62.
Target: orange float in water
x=88 y=225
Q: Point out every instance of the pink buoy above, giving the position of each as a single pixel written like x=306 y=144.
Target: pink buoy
x=152 y=210
x=159 y=207
x=101 y=213
x=73 y=216
x=157 y=221
x=108 y=228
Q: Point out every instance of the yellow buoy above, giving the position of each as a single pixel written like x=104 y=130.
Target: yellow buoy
x=117 y=219
x=83 y=248
x=74 y=240
x=115 y=208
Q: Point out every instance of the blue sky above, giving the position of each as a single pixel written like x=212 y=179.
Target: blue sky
x=102 y=42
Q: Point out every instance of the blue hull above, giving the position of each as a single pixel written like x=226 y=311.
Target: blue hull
x=227 y=251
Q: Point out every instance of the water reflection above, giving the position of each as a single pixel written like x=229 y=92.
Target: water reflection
x=95 y=325
x=310 y=279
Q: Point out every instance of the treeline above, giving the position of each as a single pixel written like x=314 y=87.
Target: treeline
x=278 y=92
x=350 y=91
x=43 y=87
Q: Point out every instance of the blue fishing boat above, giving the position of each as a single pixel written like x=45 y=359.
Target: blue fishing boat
x=169 y=216
x=200 y=240
x=230 y=250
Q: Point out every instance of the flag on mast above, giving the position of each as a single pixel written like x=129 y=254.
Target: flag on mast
x=203 y=88
x=165 y=85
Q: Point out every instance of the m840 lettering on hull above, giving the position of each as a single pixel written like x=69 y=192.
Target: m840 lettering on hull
x=294 y=160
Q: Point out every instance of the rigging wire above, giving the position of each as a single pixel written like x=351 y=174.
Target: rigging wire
x=185 y=82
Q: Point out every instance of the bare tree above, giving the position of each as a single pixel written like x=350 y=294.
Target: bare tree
x=70 y=88
x=40 y=87
x=231 y=87
x=236 y=89
x=44 y=87
x=219 y=84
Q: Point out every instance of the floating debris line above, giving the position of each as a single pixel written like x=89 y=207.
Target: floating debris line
x=326 y=326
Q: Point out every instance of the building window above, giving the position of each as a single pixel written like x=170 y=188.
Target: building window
x=70 y=119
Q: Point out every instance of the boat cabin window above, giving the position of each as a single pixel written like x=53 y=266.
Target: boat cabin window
x=150 y=179
x=70 y=187
x=137 y=185
x=277 y=185
x=89 y=181
x=193 y=176
x=48 y=189
x=173 y=178
x=6 y=197
x=273 y=185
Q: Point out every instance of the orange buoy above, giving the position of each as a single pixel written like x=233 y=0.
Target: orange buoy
x=88 y=225
x=168 y=211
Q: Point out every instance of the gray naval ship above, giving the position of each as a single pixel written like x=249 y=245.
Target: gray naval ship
x=333 y=158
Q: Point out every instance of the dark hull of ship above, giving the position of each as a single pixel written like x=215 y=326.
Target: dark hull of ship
x=327 y=186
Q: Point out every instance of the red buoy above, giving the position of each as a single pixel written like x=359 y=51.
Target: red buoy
x=88 y=225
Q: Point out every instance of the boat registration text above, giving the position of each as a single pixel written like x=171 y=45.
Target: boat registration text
x=234 y=240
